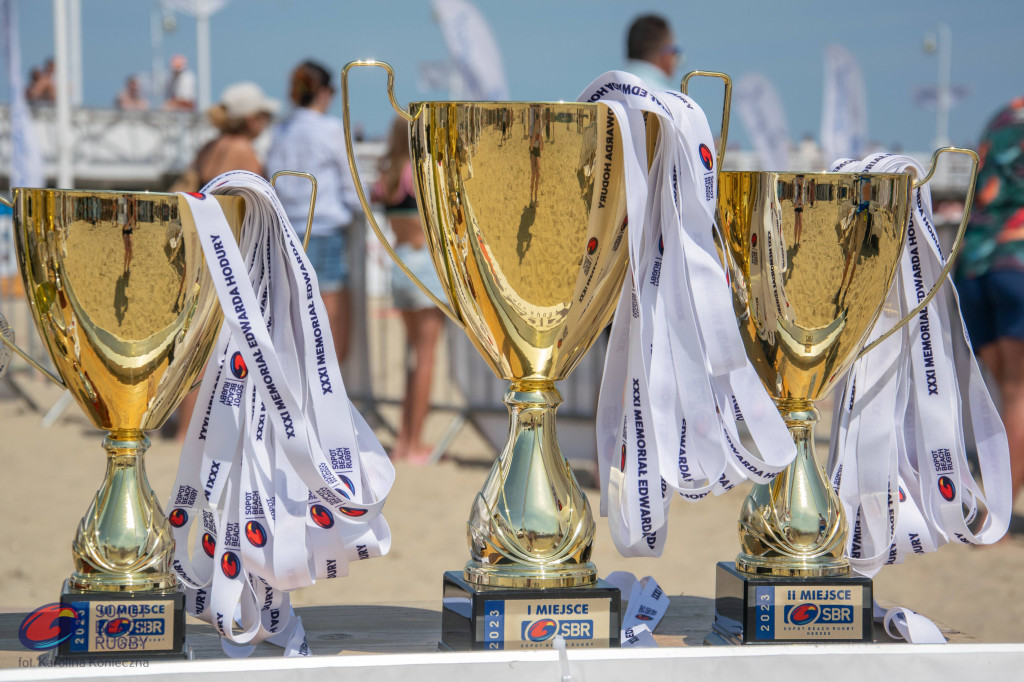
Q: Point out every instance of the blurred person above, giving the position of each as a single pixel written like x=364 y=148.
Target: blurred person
x=181 y=86
x=990 y=273
x=130 y=98
x=242 y=113
x=309 y=140
x=422 y=320
x=652 y=53
x=43 y=87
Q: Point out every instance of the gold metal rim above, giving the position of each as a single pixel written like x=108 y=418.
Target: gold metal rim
x=504 y=103
x=519 y=576
x=819 y=174
x=755 y=566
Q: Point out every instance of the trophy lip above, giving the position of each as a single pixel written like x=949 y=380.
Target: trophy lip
x=94 y=192
x=820 y=174
x=504 y=103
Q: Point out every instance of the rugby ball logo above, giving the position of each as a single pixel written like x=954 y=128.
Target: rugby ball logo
x=541 y=630
x=706 y=157
x=321 y=516
x=947 y=489
x=178 y=518
x=238 y=368
x=209 y=544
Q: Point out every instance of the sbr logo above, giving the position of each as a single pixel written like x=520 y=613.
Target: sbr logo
x=255 y=534
x=903 y=495
x=349 y=489
x=229 y=564
x=946 y=488
x=803 y=614
x=622 y=462
x=238 y=368
x=541 y=630
x=321 y=516
x=46 y=627
x=196 y=195
x=209 y=544
x=117 y=627
x=706 y=157
x=592 y=246
x=178 y=518
x=352 y=511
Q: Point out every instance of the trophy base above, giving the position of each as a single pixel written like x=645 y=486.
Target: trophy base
x=755 y=609
x=476 y=617
x=124 y=625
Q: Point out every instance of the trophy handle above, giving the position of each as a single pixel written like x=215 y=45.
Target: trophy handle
x=951 y=258
x=22 y=354
x=726 y=106
x=445 y=308
x=312 y=200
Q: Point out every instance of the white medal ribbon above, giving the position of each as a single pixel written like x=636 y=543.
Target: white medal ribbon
x=899 y=449
x=647 y=605
x=288 y=479
x=676 y=377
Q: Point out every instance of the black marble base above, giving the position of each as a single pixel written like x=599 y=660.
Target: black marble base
x=494 y=618
x=124 y=625
x=752 y=609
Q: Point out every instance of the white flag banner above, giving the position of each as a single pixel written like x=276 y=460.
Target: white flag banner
x=26 y=159
x=473 y=50
x=761 y=111
x=844 y=116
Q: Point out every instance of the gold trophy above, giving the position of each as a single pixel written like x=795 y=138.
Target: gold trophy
x=811 y=257
x=525 y=222
x=120 y=294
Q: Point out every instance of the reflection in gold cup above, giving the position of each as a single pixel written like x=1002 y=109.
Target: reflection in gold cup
x=523 y=206
x=124 y=303
x=812 y=257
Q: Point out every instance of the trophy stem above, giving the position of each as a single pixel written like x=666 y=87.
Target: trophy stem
x=124 y=541
x=794 y=526
x=531 y=525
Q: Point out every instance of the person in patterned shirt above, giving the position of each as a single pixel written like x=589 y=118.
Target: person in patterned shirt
x=990 y=274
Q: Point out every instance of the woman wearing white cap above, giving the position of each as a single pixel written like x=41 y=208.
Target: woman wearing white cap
x=241 y=115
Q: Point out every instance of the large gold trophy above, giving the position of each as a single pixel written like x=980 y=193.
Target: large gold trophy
x=120 y=294
x=525 y=222
x=811 y=257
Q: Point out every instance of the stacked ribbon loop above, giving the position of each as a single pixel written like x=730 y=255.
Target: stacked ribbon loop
x=280 y=476
x=676 y=379
x=899 y=457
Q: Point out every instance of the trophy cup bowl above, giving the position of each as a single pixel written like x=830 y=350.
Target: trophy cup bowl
x=811 y=258
x=120 y=294
x=524 y=214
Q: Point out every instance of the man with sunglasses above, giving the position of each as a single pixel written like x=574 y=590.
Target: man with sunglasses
x=652 y=53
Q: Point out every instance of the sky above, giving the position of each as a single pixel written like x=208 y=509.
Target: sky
x=553 y=48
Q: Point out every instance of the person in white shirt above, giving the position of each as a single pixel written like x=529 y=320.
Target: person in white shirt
x=652 y=53
x=181 y=86
x=311 y=141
